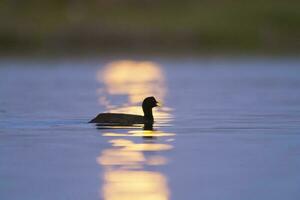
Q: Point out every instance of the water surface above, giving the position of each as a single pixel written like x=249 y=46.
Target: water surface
x=228 y=129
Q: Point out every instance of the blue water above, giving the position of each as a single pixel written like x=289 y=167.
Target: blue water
x=227 y=129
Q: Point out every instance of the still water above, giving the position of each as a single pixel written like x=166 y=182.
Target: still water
x=227 y=129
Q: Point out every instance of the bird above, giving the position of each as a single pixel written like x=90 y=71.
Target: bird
x=121 y=119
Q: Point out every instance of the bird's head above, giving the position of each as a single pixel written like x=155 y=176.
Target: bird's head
x=150 y=102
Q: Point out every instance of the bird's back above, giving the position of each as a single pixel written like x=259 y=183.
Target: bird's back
x=118 y=119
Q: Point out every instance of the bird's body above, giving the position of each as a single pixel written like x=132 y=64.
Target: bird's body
x=119 y=119
x=128 y=119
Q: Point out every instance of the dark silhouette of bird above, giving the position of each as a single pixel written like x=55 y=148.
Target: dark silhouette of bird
x=128 y=119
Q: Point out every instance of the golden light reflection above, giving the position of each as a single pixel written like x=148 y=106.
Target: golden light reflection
x=134 y=80
x=139 y=133
x=135 y=185
x=124 y=162
x=131 y=154
x=117 y=157
x=131 y=146
x=124 y=175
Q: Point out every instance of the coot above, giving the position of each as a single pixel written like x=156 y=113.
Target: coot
x=128 y=119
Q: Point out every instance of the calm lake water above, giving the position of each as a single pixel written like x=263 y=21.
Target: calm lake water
x=227 y=129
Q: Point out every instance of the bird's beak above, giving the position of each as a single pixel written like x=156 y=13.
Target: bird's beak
x=158 y=104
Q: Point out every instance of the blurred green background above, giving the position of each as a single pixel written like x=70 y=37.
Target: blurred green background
x=190 y=25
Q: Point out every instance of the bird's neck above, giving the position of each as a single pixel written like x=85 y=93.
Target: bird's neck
x=148 y=113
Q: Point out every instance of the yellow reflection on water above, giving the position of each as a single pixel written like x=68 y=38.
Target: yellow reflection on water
x=132 y=154
x=125 y=176
x=131 y=146
x=139 y=133
x=134 y=80
x=124 y=162
x=135 y=185
x=116 y=157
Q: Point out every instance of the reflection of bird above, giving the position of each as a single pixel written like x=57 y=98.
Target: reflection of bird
x=128 y=119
